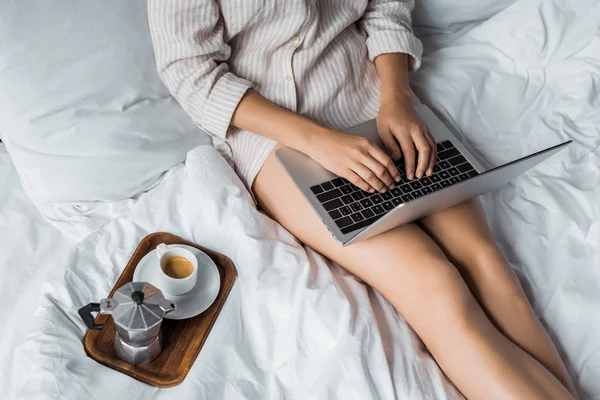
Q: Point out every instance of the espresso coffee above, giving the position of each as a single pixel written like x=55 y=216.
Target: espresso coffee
x=177 y=267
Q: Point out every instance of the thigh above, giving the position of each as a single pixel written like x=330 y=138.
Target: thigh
x=403 y=264
x=460 y=230
x=464 y=235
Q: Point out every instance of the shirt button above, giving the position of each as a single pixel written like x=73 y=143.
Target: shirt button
x=296 y=39
x=288 y=77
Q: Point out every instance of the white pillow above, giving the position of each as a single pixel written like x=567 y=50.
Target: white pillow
x=453 y=14
x=82 y=110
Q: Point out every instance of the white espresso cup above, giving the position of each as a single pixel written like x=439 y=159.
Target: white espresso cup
x=170 y=285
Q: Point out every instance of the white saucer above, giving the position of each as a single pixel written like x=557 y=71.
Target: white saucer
x=193 y=302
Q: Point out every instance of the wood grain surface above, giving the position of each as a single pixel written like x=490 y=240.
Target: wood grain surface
x=182 y=339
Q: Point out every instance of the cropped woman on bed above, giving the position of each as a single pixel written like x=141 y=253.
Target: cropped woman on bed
x=258 y=75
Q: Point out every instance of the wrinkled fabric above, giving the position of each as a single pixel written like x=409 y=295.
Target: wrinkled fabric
x=294 y=326
x=298 y=327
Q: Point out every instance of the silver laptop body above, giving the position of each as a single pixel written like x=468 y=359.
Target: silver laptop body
x=343 y=220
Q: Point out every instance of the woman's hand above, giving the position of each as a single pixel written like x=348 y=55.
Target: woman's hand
x=404 y=134
x=354 y=158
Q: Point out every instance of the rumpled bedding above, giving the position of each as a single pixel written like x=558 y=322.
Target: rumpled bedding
x=294 y=326
x=28 y=244
x=298 y=327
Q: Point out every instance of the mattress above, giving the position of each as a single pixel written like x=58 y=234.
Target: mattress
x=299 y=327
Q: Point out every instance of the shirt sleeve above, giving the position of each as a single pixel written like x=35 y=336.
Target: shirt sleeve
x=387 y=24
x=190 y=56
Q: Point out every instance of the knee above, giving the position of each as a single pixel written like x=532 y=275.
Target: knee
x=494 y=277
x=487 y=256
x=447 y=299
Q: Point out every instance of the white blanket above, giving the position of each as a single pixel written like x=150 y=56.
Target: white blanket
x=293 y=326
x=27 y=244
x=296 y=327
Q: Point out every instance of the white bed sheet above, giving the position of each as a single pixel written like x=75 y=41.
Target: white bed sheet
x=297 y=327
x=27 y=246
x=520 y=81
x=293 y=327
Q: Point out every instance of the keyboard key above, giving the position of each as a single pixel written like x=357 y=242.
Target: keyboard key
x=436 y=168
x=416 y=194
x=436 y=186
x=327 y=185
x=346 y=210
x=346 y=181
x=335 y=214
x=463 y=177
x=457 y=160
x=472 y=173
x=446 y=154
x=464 y=167
x=406 y=188
x=439 y=147
x=444 y=165
x=453 y=171
x=415 y=185
x=396 y=192
x=367 y=213
x=332 y=194
x=360 y=225
x=357 y=196
x=426 y=190
x=366 y=203
x=343 y=222
x=425 y=181
x=357 y=217
x=386 y=196
x=454 y=180
x=445 y=184
x=333 y=204
x=396 y=201
x=356 y=207
x=377 y=199
x=388 y=205
x=347 y=199
x=444 y=175
x=435 y=178
x=337 y=182
x=378 y=209
x=317 y=189
x=447 y=144
x=346 y=189
x=407 y=197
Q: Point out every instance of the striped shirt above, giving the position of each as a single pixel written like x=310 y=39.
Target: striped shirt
x=313 y=57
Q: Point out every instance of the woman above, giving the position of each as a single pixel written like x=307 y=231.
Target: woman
x=259 y=74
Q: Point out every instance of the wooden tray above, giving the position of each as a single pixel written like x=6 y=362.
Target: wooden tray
x=182 y=339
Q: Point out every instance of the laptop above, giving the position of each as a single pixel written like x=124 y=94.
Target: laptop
x=351 y=214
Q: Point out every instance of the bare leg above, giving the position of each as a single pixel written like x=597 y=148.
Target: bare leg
x=494 y=283
x=411 y=271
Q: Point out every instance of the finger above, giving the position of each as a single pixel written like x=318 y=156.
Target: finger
x=386 y=162
x=390 y=142
x=433 y=154
x=358 y=181
x=408 y=151
x=424 y=152
x=380 y=171
x=369 y=176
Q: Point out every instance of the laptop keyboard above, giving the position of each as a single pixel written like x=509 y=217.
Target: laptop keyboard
x=351 y=208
